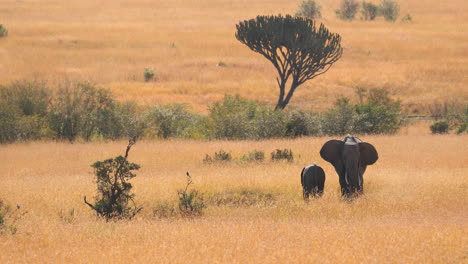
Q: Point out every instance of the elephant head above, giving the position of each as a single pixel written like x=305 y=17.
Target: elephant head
x=350 y=157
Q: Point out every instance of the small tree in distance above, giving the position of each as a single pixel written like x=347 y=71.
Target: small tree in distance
x=298 y=50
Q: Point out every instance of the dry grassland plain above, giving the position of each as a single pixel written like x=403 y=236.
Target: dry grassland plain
x=413 y=210
x=111 y=42
x=415 y=205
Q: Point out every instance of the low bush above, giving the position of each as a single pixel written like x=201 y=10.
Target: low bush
x=172 y=120
x=347 y=10
x=3 y=31
x=440 y=127
x=282 y=154
x=190 y=202
x=232 y=118
x=114 y=199
x=463 y=128
x=268 y=123
x=148 y=74
x=339 y=119
x=81 y=109
x=310 y=9
x=389 y=9
x=255 y=155
x=218 y=156
x=369 y=11
x=378 y=114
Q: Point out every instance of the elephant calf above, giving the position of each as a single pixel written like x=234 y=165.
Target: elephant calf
x=313 y=181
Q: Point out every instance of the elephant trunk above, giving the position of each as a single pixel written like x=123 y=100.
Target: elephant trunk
x=352 y=175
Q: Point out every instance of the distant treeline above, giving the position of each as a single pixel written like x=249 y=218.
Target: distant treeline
x=33 y=111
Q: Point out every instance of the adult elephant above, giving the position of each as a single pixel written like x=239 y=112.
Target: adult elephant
x=350 y=157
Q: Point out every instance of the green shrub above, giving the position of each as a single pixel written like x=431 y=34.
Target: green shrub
x=369 y=11
x=244 y=197
x=148 y=74
x=232 y=118
x=347 y=10
x=254 y=156
x=81 y=110
x=9 y=115
x=114 y=199
x=440 y=127
x=300 y=123
x=31 y=98
x=268 y=123
x=190 y=202
x=126 y=121
x=218 y=156
x=221 y=64
x=378 y=115
x=282 y=154
x=310 y=9
x=173 y=120
x=339 y=120
x=389 y=10
x=463 y=128
x=3 y=31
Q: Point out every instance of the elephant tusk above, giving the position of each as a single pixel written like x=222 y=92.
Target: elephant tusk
x=359 y=180
x=346 y=178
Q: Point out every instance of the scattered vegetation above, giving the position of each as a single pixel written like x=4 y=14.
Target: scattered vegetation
x=347 y=10
x=310 y=9
x=220 y=156
x=3 y=31
x=114 y=199
x=81 y=111
x=440 y=127
x=389 y=10
x=148 y=74
x=255 y=155
x=282 y=154
x=369 y=11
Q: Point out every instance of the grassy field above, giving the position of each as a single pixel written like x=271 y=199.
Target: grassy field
x=413 y=210
x=111 y=42
x=414 y=207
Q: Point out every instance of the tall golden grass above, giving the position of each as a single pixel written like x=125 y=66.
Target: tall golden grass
x=111 y=42
x=413 y=210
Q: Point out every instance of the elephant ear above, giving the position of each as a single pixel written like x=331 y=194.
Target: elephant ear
x=331 y=151
x=368 y=154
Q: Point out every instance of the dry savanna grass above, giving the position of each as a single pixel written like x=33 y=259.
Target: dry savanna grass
x=111 y=42
x=413 y=210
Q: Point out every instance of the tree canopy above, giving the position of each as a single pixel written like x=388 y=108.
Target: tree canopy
x=298 y=50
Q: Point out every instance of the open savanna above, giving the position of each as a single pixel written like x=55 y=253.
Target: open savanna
x=111 y=42
x=413 y=211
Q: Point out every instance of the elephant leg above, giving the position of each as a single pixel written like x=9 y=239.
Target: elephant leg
x=305 y=195
x=362 y=169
